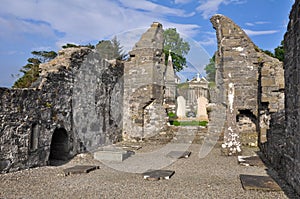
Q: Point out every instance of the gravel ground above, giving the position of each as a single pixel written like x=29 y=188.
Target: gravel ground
x=215 y=176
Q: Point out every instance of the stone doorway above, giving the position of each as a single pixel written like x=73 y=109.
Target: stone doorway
x=247 y=125
x=59 y=148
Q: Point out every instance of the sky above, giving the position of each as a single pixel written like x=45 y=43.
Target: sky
x=28 y=25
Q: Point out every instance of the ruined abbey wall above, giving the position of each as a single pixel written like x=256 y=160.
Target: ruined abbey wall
x=29 y=118
x=144 y=113
x=249 y=82
x=283 y=141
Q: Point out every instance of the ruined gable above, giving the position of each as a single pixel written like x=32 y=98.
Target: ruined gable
x=250 y=82
x=144 y=114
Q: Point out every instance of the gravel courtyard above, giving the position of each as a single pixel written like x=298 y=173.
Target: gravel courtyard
x=215 y=176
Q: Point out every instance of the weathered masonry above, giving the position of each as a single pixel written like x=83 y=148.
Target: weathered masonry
x=46 y=122
x=81 y=102
x=283 y=140
x=144 y=113
x=250 y=85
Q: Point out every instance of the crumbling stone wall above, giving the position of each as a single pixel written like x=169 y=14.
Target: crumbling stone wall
x=283 y=140
x=250 y=83
x=29 y=117
x=144 y=114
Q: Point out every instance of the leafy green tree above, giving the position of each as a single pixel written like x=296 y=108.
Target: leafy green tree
x=110 y=49
x=70 y=46
x=279 y=52
x=179 y=48
x=268 y=53
x=31 y=69
x=210 y=69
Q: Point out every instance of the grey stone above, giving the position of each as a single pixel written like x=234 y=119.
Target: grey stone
x=264 y=183
x=79 y=169
x=112 y=154
x=158 y=174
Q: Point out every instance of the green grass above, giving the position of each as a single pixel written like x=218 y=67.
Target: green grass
x=171 y=115
x=188 y=123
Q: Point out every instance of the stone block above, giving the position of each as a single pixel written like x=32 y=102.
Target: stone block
x=112 y=154
x=79 y=169
x=155 y=175
x=267 y=82
x=264 y=183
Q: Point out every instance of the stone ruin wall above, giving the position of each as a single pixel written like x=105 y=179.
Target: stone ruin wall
x=249 y=82
x=282 y=148
x=29 y=117
x=144 y=113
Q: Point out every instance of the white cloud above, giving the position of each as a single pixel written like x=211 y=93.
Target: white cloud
x=256 y=23
x=209 y=41
x=260 y=32
x=186 y=30
x=210 y=7
x=261 y=22
x=12 y=27
x=82 y=22
x=155 y=8
x=182 y=1
x=249 y=24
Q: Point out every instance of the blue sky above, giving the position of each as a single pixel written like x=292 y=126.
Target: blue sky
x=48 y=24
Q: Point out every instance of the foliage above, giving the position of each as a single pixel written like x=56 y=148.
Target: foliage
x=77 y=46
x=31 y=69
x=172 y=115
x=211 y=84
x=70 y=46
x=210 y=69
x=268 y=53
x=279 y=52
x=179 y=48
x=183 y=85
x=110 y=49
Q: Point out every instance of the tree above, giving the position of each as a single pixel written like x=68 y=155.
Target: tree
x=31 y=69
x=77 y=46
x=110 y=49
x=70 y=46
x=268 y=53
x=279 y=52
x=210 y=69
x=179 y=48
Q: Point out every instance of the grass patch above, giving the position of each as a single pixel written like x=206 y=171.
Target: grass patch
x=171 y=115
x=188 y=123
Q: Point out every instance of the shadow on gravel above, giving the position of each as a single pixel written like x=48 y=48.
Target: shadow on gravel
x=54 y=162
x=286 y=188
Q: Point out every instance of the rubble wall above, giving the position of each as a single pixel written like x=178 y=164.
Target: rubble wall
x=29 y=117
x=283 y=140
